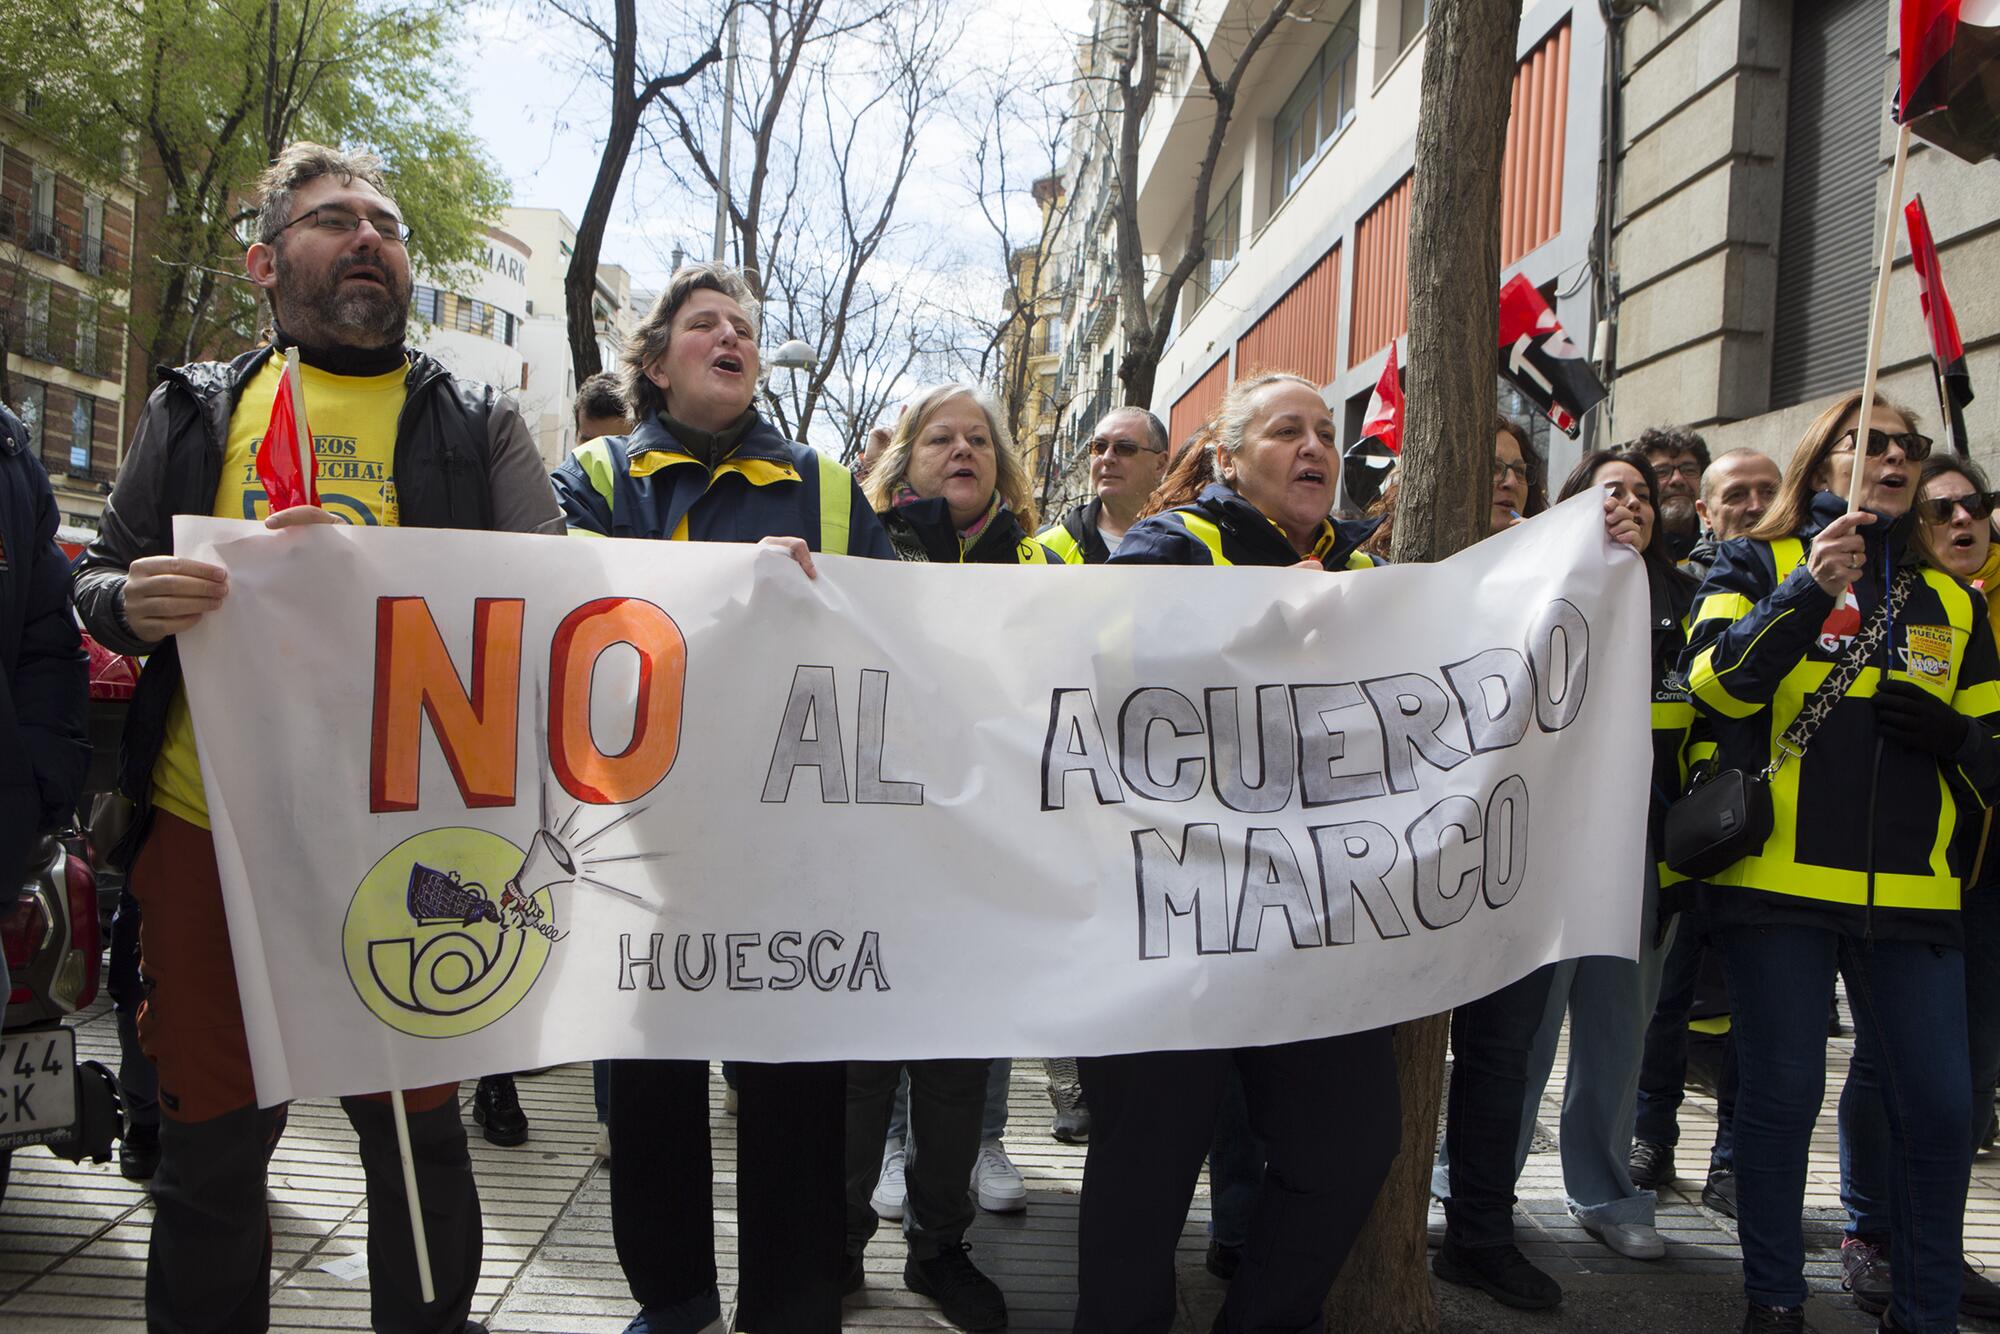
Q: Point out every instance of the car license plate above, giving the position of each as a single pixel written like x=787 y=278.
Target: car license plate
x=37 y=1086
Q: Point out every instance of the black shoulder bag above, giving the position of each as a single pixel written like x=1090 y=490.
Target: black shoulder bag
x=1726 y=816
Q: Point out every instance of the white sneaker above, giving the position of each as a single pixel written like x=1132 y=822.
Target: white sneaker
x=891 y=1192
x=1635 y=1241
x=996 y=1182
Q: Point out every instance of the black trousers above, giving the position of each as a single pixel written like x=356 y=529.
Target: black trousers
x=1329 y=1114
x=947 y=1100
x=1490 y=1041
x=789 y=1182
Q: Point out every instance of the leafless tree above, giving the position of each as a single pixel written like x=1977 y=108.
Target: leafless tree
x=1220 y=66
x=1441 y=508
x=634 y=91
x=832 y=102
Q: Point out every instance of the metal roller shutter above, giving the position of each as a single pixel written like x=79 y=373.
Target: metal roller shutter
x=1826 y=242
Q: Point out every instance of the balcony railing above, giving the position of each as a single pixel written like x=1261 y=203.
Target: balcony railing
x=39 y=233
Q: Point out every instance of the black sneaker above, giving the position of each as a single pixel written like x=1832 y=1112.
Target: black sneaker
x=968 y=1298
x=1501 y=1272
x=1980 y=1297
x=496 y=1106
x=1651 y=1165
x=1720 y=1192
x=857 y=1277
x=139 y=1153
x=1864 y=1271
x=1223 y=1259
x=1774 y=1320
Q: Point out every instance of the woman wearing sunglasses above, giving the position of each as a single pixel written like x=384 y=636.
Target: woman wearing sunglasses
x=1954 y=509
x=1856 y=874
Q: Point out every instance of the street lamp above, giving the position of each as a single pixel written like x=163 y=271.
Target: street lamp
x=796 y=355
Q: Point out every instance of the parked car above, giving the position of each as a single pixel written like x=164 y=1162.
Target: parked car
x=53 y=957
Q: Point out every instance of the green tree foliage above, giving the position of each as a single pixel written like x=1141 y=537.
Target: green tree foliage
x=198 y=95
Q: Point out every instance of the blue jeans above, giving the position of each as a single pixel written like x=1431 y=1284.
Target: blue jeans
x=1864 y=1125
x=992 y=1121
x=1909 y=1016
x=1608 y=1001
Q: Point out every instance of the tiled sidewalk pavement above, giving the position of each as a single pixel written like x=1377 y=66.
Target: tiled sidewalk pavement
x=73 y=1239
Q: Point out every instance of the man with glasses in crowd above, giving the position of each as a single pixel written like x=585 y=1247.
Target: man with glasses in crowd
x=1128 y=457
x=399 y=441
x=1679 y=458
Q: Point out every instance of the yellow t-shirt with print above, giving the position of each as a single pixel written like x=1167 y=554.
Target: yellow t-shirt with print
x=353 y=422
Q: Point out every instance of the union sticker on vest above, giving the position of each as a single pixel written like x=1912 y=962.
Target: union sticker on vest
x=1927 y=652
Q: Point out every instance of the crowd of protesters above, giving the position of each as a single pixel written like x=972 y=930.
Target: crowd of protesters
x=1842 y=662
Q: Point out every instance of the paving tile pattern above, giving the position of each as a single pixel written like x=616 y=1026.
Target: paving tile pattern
x=73 y=1237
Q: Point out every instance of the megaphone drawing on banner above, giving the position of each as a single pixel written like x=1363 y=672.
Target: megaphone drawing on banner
x=547 y=865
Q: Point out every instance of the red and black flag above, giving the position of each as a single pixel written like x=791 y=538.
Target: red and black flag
x=1947 y=351
x=1538 y=358
x=1948 y=89
x=1385 y=408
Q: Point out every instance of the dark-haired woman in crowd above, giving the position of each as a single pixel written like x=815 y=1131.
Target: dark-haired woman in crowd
x=1608 y=999
x=1857 y=875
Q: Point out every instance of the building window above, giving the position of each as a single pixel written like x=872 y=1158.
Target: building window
x=93 y=235
x=427 y=304
x=34 y=411
x=1317 y=110
x=1411 y=17
x=1052 y=336
x=81 y=427
x=1221 y=239
x=42 y=213
x=86 y=337
x=35 y=321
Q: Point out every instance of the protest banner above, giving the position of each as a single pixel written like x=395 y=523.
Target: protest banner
x=492 y=801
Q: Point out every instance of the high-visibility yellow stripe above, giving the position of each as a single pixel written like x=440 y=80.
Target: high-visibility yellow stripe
x=1786 y=553
x=1705 y=683
x=759 y=472
x=1672 y=715
x=1715 y=1027
x=1206 y=532
x=1723 y=606
x=1978 y=701
x=1030 y=552
x=594 y=457
x=836 y=506
x=1058 y=540
x=1360 y=561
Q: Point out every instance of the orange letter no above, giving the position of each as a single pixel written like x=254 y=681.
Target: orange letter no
x=586 y=772
x=414 y=671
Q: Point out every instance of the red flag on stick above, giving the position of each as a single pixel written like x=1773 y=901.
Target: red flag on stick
x=1385 y=408
x=285 y=454
x=1928 y=28
x=1954 y=382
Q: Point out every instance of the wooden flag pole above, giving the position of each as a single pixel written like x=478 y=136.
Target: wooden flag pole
x=428 y=1288
x=302 y=450
x=1877 y=318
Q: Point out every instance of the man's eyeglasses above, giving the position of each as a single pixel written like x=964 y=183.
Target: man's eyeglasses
x=1688 y=468
x=1916 y=448
x=1501 y=467
x=1124 y=449
x=1977 y=505
x=334 y=218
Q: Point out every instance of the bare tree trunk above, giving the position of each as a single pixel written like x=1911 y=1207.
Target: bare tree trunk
x=1441 y=508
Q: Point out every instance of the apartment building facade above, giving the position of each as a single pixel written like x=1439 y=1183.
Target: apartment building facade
x=1753 y=156
x=1308 y=225
x=66 y=246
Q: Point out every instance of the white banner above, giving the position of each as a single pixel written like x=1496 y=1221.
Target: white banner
x=488 y=801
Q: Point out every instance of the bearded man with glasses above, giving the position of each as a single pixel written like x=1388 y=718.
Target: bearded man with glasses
x=399 y=441
x=1128 y=459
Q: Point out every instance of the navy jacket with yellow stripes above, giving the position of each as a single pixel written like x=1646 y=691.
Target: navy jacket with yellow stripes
x=1222 y=528
x=922 y=530
x=648 y=485
x=1864 y=829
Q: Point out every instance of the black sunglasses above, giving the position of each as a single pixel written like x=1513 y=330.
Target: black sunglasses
x=1916 y=448
x=1977 y=505
x=1124 y=449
